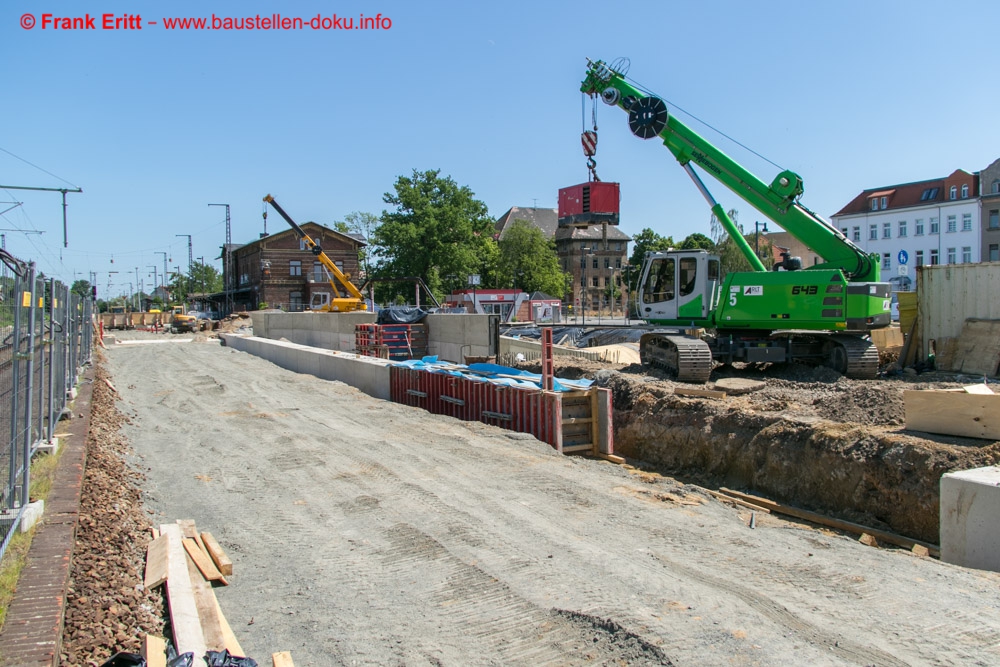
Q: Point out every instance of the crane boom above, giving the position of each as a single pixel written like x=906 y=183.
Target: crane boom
x=356 y=299
x=648 y=117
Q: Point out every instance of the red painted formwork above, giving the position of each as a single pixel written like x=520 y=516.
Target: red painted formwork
x=524 y=410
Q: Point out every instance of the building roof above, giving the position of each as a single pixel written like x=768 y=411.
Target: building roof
x=904 y=195
x=358 y=239
x=594 y=233
x=545 y=219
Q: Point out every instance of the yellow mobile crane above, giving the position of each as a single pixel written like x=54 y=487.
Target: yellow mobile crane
x=322 y=301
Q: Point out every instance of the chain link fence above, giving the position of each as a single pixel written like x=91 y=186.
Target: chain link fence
x=46 y=338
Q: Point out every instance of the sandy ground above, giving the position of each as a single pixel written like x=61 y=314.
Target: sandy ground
x=365 y=532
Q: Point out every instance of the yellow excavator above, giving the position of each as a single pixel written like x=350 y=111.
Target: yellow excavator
x=322 y=301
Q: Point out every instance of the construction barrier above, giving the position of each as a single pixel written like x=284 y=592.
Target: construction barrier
x=396 y=342
x=574 y=421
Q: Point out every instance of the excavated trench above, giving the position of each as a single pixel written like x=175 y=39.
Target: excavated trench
x=834 y=446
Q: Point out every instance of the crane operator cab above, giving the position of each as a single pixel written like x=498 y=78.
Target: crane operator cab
x=679 y=285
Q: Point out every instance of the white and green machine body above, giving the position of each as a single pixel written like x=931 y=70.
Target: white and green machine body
x=819 y=314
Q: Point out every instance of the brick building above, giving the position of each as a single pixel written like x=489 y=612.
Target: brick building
x=279 y=269
x=989 y=201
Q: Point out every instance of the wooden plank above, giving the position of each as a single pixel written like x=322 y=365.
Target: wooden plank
x=953 y=413
x=889 y=338
x=232 y=643
x=157 y=560
x=219 y=556
x=154 y=651
x=206 y=603
x=705 y=393
x=283 y=659
x=978 y=389
x=184 y=619
x=595 y=436
x=736 y=501
x=822 y=520
x=612 y=458
x=203 y=562
x=189 y=530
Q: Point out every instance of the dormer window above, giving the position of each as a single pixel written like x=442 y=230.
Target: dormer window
x=996 y=186
x=953 y=192
x=885 y=203
x=965 y=192
x=929 y=194
x=874 y=203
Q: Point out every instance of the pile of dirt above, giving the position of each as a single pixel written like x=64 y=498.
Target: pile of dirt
x=234 y=323
x=108 y=610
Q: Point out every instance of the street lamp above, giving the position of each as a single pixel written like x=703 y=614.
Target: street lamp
x=588 y=252
x=758 y=228
x=628 y=291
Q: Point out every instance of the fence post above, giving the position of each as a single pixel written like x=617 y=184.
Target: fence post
x=15 y=374
x=29 y=373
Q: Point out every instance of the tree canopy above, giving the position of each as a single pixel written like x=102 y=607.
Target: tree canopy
x=437 y=231
x=528 y=260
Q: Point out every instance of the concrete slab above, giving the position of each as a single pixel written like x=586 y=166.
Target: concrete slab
x=970 y=518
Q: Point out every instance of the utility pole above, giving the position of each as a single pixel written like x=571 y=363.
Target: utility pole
x=227 y=268
x=163 y=279
x=62 y=190
x=190 y=251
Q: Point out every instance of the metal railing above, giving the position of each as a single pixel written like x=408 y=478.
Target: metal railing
x=46 y=338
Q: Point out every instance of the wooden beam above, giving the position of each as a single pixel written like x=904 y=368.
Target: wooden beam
x=154 y=651
x=822 y=520
x=704 y=393
x=184 y=619
x=203 y=562
x=953 y=413
x=611 y=457
x=283 y=659
x=190 y=530
x=157 y=558
x=219 y=556
x=232 y=643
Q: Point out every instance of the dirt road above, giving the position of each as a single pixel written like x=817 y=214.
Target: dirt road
x=365 y=532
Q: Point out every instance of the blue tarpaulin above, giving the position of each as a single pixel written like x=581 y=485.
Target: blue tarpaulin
x=494 y=373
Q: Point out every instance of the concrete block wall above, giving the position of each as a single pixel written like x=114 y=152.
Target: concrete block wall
x=367 y=374
x=528 y=348
x=450 y=337
x=970 y=518
x=328 y=331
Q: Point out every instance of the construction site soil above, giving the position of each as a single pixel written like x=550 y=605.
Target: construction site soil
x=808 y=436
x=366 y=532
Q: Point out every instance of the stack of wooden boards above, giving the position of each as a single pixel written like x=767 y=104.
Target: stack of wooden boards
x=189 y=563
x=975 y=351
x=972 y=411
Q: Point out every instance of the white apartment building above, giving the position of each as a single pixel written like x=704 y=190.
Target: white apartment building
x=915 y=224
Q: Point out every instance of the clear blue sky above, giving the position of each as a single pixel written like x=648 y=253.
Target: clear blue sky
x=156 y=124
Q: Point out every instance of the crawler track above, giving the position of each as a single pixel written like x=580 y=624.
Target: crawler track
x=690 y=359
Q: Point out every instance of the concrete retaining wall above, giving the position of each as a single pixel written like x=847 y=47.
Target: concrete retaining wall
x=532 y=349
x=450 y=337
x=368 y=374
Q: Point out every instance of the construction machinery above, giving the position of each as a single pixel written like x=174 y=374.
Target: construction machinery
x=181 y=321
x=819 y=314
x=323 y=301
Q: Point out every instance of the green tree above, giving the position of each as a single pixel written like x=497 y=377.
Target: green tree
x=363 y=223
x=528 y=260
x=645 y=241
x=203 y=279
x=436 y=229
x=82 y=288
x=698 y=241
x=731 y=257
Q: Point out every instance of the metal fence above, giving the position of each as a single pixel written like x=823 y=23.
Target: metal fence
x=46 y=338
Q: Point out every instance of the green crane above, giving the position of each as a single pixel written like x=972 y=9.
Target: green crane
x=820 y=314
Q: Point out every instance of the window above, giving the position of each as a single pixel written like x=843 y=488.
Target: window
x=872 y=232
x=887 y=230
x=618 y=262
x=886 y=261
x=874 y=203
x=951 y=255
x=659 y=285
x=966 y=222
x=857 y=233
x=966 y=254
x=935 y=227
x=618 y=246
x=996 y=186
x=302 y=244
x=295 y=301
x=965 y=192
x=929 y=194
x=295 y=268
x=319 y=273
x=689 y=271
x=920 y=258
x=597 y=263
x=952 y=223
x=902 y=228
x=995 y=219
x=918 y=227
x=595 y=281
x=885 y=203
x=844 y=229
x=934 y=257
x=607 y=262
x=953 y=192
x=994 y=252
